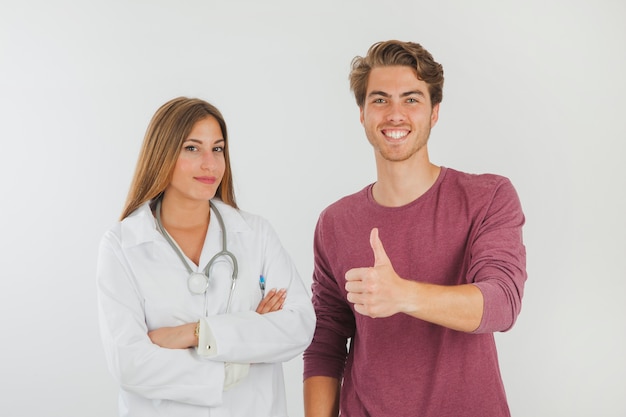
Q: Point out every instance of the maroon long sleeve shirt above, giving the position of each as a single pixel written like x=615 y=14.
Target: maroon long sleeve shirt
x=465 y=229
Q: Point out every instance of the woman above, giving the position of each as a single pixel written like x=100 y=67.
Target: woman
x=186 y=327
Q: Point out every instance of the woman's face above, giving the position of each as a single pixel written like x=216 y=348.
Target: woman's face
x=201 y=164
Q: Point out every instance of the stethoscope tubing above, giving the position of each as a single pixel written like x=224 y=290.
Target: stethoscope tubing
x=206 y=272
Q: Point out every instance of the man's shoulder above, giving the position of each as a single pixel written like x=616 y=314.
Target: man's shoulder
x=474 y=181
x=480 y=189
x=348 y=202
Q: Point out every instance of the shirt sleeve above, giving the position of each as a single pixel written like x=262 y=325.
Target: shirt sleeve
x=138 y=365
x=326 y=356
x=498 y=260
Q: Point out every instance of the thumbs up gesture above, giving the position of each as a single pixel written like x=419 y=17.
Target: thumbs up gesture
x=376 y=291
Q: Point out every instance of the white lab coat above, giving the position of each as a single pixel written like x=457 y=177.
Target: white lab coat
x=142 y=285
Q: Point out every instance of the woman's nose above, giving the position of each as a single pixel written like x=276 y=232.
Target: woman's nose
x=208 y=160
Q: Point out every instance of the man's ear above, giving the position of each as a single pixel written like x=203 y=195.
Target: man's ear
x=434 y=115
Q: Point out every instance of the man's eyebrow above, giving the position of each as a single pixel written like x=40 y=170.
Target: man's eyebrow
x=408 y=93
x=413 y=93
x=378 y=93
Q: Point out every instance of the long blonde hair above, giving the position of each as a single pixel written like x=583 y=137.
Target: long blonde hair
x=169 y=127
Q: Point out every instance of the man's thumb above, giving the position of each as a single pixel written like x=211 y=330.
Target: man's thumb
x=380 y=256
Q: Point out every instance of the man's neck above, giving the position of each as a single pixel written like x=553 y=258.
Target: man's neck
x=400 y=183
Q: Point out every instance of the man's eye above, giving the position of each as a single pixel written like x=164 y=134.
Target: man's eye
x=412 y=100
x=379 y=100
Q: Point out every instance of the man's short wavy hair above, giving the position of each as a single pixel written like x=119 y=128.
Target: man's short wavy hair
x=393 y=53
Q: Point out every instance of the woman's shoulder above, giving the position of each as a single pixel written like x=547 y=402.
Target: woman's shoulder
x=240 y=220
x=136 y=228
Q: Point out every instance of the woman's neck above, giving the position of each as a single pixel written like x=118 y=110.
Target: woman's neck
x=184 y=215
x=187 y=223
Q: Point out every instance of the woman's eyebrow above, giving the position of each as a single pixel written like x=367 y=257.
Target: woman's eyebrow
x=200 y=142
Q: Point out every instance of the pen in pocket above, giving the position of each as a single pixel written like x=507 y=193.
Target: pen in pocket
x=262 y=285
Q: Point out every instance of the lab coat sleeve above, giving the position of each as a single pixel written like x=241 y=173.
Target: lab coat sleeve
x=249 y=337
x=138 y=365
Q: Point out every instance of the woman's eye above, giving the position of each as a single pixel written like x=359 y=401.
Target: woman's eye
x=191 y=148
x=218 y=149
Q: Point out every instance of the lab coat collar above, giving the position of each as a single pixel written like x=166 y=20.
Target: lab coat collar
x=141 y=226
x=233 y=219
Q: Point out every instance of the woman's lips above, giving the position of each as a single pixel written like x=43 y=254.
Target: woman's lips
x=206 y=180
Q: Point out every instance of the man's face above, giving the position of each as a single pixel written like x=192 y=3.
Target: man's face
x=397 y=114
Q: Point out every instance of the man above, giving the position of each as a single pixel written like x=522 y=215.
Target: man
x=417 y=270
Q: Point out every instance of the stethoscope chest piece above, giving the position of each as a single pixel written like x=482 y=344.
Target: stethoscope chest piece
x=197 y=283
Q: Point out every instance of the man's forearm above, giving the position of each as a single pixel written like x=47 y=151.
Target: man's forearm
x=457 y=307
x=321 y=396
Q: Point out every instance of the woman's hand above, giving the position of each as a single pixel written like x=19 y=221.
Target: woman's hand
x=273 y=301
x=178 y=337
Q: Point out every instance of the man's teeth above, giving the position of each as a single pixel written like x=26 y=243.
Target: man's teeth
x=396 y=134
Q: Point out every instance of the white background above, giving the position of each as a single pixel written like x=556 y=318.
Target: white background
x=535 y=90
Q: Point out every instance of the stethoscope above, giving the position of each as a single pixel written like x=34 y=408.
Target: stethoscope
x=198 y=282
